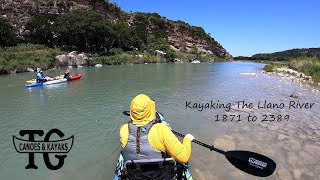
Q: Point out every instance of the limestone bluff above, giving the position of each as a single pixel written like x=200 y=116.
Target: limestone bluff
x=180 y=35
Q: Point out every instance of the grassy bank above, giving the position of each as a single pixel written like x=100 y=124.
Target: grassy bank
x=210 y=58
x=272 y=67
x=140 y=58
x=20 y=57
x=308 y=66
x=126 y=58
x=183 y=56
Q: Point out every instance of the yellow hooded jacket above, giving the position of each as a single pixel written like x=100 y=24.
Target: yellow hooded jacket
x=160 y=137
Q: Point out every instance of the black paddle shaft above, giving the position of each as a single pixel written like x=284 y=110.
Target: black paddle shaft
x=249 y=162
x=212 y=148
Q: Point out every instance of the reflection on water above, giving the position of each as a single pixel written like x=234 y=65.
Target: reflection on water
x=91 y=109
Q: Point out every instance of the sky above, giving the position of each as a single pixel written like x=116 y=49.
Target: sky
x=243 y=27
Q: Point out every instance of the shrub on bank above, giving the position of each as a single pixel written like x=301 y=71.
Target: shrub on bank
x=22 y=56
x=208 y=58
x=309 y=66
x=126 y=58
x=272 y=67
x=306 y=65
x=185 y=56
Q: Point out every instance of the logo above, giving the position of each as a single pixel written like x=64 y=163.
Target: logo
x=46 y=147
x=257 y=163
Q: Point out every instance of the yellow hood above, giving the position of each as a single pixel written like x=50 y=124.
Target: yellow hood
x=142 y=110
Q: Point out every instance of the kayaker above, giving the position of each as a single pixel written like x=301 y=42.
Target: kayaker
x=40 y=77
x=67 y=74
x=145 y=139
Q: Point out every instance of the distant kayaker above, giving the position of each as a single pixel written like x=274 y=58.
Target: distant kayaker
x=67 y=74
x=41 y=78
x=145 y=139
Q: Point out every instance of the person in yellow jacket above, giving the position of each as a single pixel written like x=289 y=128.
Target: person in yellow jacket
x=142 y=138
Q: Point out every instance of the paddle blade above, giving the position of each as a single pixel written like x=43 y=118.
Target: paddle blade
x=252 y=163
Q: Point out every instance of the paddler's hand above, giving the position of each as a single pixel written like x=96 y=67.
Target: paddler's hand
x=189 y=136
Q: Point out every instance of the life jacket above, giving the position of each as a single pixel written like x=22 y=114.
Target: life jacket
x=138 y=146
x=40 y=77
x=143 y=161
x=66 y=75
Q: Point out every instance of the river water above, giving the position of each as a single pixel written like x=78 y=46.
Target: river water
x=91 y=110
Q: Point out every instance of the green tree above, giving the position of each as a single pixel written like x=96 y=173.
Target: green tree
x=41 y=27
x=85 y=31
x=156 y=43
x=129 y=38
x=7 y=34
x=170 y=55
x=115 y=51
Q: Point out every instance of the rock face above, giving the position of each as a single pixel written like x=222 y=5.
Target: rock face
x=181 y=37
x=72 y=59
x=184 y=37
x=20 y=12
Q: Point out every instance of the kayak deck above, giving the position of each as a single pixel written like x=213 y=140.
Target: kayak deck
x=120 y=165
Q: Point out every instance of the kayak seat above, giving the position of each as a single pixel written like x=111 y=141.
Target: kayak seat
x=155 y=169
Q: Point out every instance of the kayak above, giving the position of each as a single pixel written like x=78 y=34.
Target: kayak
x=75 y=77
x=183 y=169
x=57 y=81
x=32 y=81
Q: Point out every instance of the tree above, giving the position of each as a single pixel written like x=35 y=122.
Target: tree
x=129 y=38
x=7 y=34
x=85 y=31
x=170 y=55
x=156 y=43
x=41 y=27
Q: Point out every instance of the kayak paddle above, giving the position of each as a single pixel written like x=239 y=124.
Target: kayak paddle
x=249 y=162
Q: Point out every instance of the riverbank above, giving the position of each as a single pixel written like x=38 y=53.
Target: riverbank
x=18 y=58
x=22 y=57
x=298 y=70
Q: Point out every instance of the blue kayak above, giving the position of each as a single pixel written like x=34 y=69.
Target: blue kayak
x=57 y=81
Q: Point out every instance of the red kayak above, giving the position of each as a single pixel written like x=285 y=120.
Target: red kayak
x=75 y=77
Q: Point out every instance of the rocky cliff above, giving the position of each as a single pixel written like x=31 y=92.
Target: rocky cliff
x=180 y=35
x=19 y=12
x=183 y=38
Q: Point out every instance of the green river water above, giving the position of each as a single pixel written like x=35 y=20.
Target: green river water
x=91 y=110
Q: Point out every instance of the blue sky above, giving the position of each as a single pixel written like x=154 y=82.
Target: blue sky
x=244 y=27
